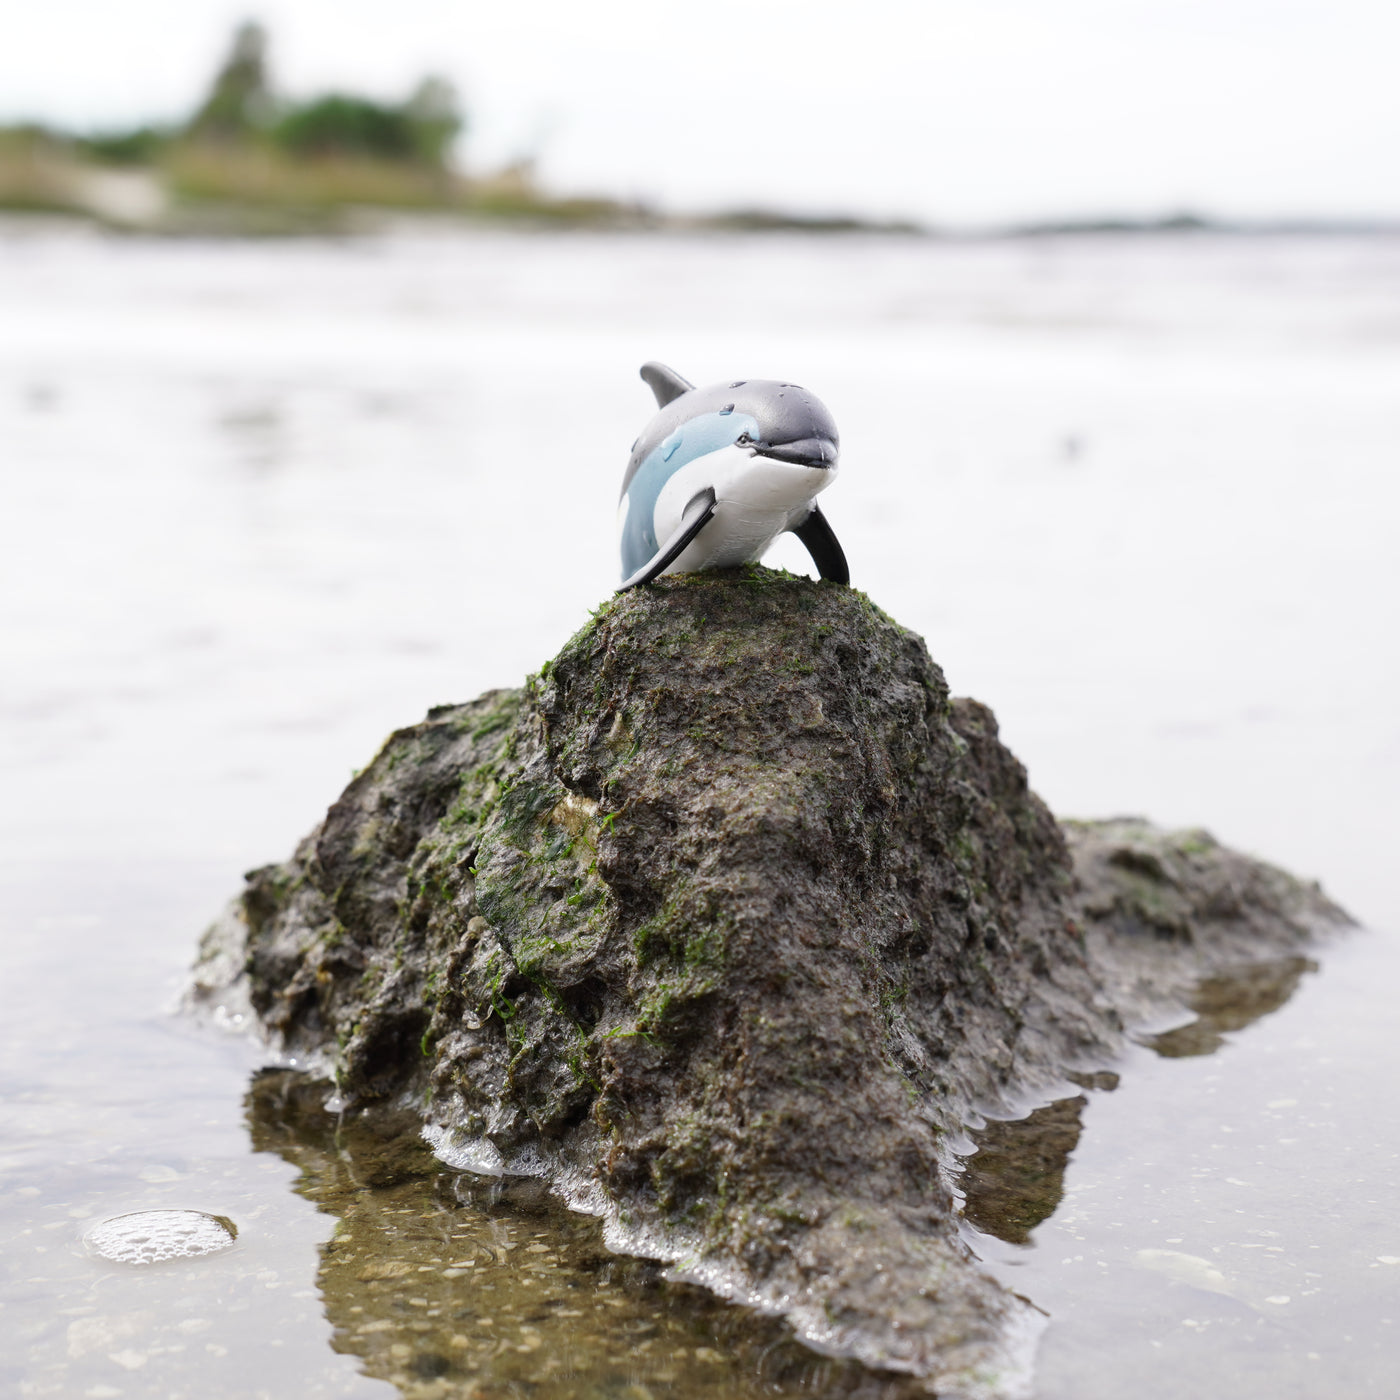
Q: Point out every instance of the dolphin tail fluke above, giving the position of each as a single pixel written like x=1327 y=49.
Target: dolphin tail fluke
x=823 y=546
x=693 y=519
x=664 y=382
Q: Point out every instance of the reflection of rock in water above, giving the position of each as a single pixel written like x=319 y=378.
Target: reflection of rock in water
x=1231 y=1001
x=1017 y=1175
x=450 y=1285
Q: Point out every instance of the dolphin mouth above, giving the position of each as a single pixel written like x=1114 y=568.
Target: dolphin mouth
x=803 y=452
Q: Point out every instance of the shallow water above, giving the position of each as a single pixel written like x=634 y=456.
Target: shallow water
x=262 y=503
x=1232 y=1213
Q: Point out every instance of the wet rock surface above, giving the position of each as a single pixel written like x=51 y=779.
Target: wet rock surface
x=724 y=925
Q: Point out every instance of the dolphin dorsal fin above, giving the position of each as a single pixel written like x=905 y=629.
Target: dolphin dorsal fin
x=664 y=382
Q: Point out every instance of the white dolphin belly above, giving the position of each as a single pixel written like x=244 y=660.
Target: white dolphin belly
x=756 y=499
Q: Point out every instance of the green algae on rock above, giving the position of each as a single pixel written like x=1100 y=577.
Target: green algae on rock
x=725 y=924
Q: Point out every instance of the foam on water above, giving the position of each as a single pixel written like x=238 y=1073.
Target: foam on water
x=154 y=1236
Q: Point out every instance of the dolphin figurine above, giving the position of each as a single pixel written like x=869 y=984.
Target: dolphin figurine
x=721 y=472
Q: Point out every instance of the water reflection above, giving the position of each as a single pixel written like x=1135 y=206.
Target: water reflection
x=451 y=1285
x=446 y=1284
x=1230 y=1002
x=1015 y=1179
x=1017 y=1176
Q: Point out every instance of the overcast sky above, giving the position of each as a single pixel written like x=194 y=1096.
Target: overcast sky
x=948 y=110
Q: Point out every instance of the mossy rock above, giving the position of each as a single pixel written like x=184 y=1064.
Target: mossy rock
x=724 y=924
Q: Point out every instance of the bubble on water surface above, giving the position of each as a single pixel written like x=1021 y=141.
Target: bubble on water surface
x=153 y=1236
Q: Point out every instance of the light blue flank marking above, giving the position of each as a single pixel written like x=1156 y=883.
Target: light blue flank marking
x=707 y=433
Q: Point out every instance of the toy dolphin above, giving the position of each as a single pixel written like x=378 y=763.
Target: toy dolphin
x=721 y=472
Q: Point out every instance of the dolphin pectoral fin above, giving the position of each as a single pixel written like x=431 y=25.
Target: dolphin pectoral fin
x=664 y=382
x=694 y=518
x=823 y=546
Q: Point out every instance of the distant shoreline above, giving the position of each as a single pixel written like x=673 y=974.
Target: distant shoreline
x=256 y=224
x=299 y=202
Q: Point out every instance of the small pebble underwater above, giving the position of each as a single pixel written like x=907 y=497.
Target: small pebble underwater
x=281 y=536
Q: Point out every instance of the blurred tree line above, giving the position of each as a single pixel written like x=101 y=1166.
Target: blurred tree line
x=243 y=110
x=250 y=160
